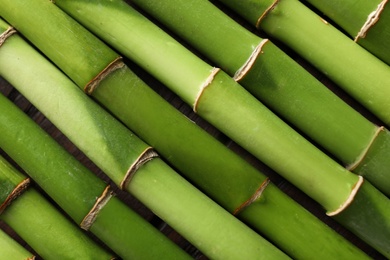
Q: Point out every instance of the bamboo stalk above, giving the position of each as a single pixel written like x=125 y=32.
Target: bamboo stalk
x=46 y=230
x=41 y=156
x=12 y=250
x=282 y=85
x=216 y=165
x=223 y=102
x=366 y=22
x=224 y=176
x=205 y=224
x=355 y=70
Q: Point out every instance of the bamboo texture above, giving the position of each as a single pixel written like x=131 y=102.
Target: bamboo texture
x=223 y=102
x=366 y=22
x=216 y=160
x=46 y=230
x=204 y=223
x=282 y=84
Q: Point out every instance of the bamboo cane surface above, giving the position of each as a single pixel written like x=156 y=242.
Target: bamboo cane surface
x=18 y=99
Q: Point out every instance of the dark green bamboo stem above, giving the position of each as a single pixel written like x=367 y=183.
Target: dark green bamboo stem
x=366 y=21
x=363 y=76
x=204 y=223
x=48 y=232
x=230 y=180
x=281 y=84
x=10 y=249
x=223 y=102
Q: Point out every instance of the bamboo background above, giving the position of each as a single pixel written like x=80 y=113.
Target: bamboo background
x=31 y=111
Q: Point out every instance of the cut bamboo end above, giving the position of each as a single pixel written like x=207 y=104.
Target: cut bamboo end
x=205 y=84
x=17 y=191
x=6 y=34
x=363 y=155
x=372 y=19
x=243 y=71
x=94 y=83
x=254 y=197
x=266 y=12
x=350 y=198
x=147 y=155
x=89 y=219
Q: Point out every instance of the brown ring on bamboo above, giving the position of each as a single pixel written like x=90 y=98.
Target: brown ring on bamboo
x=350 y=198
x=90 y=218
x=254 y=197
x=372 y=19
x=363 y=155
x=243 y=71
x=16 y=192
x=94 y=83
x=266 y=12
x=6 y=34
x=205 y=84
x=147 y=155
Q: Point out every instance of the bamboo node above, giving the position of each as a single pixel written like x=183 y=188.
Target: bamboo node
x=94 y=83
x=90 y=218
x=363 y=155
x=205 y=84
x=372 y=19
x=242 y=72
x=254 y=197
x=350 y=198
x=6 y=34
x=147 y=155
x=266 y=12
x=16 y=192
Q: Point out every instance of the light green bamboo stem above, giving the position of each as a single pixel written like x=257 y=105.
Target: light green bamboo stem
x=11 y=250
x=221 y=173
x=281 y=84
x=355 y=70
x=76 y=189
x=366 y=21
x=220 y=100
x=48 y=232
x=204 y=223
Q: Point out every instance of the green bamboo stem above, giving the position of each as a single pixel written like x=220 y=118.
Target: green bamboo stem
x=12 y=250
x=281 y=84
x=365 y=21
x=205 y=224
x=76 y=189
x=355 y=70
x=223 y=102
x=280 y=218
x=46 y=230
x=222 y=174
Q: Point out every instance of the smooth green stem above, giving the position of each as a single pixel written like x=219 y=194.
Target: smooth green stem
x=76 y=189
x=12 y=250
x=221 y=173
x=45 y=229
x=355 y=16
x=170 y=200
x=278 y=81
x=224 y=103
x=355 y=70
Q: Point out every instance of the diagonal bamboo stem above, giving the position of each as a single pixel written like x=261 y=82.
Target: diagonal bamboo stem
x=226 y=103
x=363 y=76
x=48 y=232
x=281 y=84
x=10 y=249
x=154 y=183
x=366 y=22
x=234 y=190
